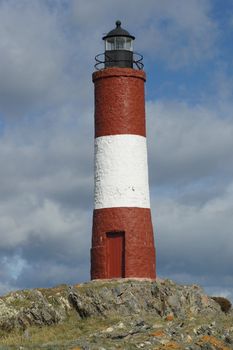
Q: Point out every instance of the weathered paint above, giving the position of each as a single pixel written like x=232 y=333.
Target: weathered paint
x=121 y=172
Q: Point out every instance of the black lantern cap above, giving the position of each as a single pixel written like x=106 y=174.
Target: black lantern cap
x=118 y=31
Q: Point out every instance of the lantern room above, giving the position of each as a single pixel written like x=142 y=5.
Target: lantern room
x=119 y=48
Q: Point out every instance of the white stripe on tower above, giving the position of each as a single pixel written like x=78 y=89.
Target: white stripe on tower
x=121 y=172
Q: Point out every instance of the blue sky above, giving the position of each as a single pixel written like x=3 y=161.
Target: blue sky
x=46 y=136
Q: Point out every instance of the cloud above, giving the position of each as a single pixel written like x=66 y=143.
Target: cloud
x=48 y=48
x=194 y=242
x=188 y=143
x=34 y=57
x=191 y=172
x=178 y=32
x=46 y=177
x=45 y=207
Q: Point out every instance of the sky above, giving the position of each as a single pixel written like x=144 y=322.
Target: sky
x=47 y=50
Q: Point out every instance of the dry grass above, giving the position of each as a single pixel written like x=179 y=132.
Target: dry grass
x=70 y=335
x=56 y=336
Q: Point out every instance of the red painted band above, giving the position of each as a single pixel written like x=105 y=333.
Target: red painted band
x=139 y=250
x=119 y=102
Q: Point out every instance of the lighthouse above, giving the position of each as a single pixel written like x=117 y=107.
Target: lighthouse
x=122 y=232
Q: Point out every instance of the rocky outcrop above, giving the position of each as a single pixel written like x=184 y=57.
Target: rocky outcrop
x=39 y=307
x=137 y=297
x=126 y=314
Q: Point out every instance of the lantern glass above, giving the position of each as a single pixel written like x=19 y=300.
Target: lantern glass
x=110 y=44
x=129 y=44
x=119 y=43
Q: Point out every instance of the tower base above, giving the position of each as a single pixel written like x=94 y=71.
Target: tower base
x=122 y=244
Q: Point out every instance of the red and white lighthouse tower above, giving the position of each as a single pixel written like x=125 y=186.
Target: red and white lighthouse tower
x=122 y=235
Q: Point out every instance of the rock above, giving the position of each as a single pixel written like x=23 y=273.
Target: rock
x=120 y=325
x=26 y=334
x=109 y=330
x=159 y=333
x=170 y=317
x=188 y=339
x=205 y=329
x=130 y=313
x=33 y=307
x=224 y=303
x=100 y=298
x=229 y=339
x=138 y=297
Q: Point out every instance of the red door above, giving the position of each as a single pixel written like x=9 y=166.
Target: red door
x=116 y=254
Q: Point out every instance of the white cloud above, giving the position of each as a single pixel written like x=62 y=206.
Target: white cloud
x=194 y=242
x=34 y=55
x=188 y=143
x=46 y=174
x=46 y=179
x=192 y=191
x=178 y=32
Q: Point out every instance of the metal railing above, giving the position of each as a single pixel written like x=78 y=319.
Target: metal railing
x=101 y=60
